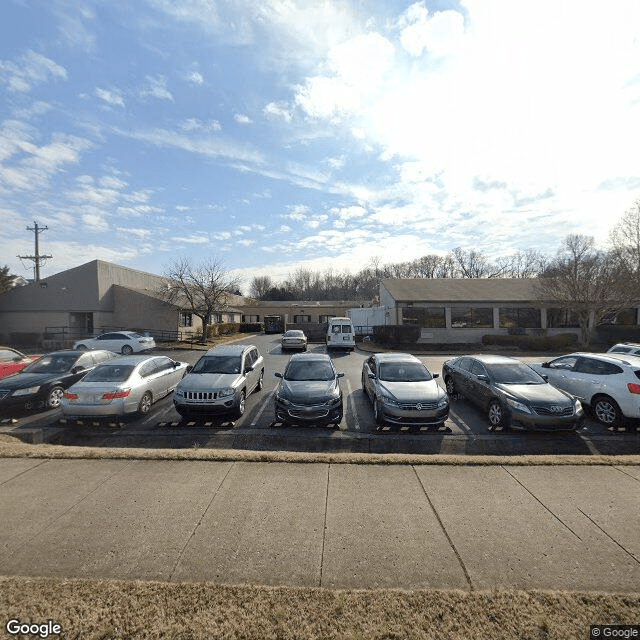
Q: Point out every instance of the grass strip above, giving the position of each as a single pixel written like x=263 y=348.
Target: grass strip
x=106 y=609
x=12 y=447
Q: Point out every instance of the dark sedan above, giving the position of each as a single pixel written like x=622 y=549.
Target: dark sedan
x=512 y=393
x=41 y=384
x=309 y=392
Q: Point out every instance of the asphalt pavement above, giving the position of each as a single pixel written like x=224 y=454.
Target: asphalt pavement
x=323 y=524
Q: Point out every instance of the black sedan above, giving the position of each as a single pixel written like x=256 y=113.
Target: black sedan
x=512 y=393
x=41 y=384
x=309 y=392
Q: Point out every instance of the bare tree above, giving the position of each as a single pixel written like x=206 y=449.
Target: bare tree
x=260 y=287
x=473 y=264
x=204 y=288
x=523 y=264
x=590 y=283
x=625 y=239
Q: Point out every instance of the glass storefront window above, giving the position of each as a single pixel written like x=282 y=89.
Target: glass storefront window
x=427 y=317
x=520 y=318
x=472 y=317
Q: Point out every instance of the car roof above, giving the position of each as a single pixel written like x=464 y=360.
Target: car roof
x=132 y=360
x=633 y=345
x=493 y=359
x=310 y=356
x=70 y=352
x=396 y=357
x=229 y=350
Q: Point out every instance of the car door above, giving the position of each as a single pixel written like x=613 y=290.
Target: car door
x=591 y=376
x=107 y=341
x=478 y=385
x=369 y=383
x=153 y=379
x=560 y=373
x=249 y=371
x=462 y=375
x=168 y=374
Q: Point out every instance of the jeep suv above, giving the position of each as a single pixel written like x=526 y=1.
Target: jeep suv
x=220 y=381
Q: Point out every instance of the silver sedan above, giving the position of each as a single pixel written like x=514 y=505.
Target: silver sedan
x=130 y=384
x=294 y=339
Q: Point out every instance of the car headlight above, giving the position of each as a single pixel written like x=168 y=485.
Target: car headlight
x=518 y=406
x=577 y=406
x=283 y=400
x=387 y=399
x=26 y=392
x=443 y=402
x=179 y=393
x=223 y=393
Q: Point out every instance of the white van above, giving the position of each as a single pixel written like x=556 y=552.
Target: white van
x=340 y=334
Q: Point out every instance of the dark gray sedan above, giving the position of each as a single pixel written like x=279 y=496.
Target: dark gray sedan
x=403 y=391
x=512 y=393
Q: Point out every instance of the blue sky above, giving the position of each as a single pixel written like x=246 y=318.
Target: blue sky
x=275 y=134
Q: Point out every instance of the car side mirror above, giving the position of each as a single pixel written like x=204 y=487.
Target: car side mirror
x=340 y=375
x=77 y=369
x=545 y=365
x=189 y=368
x=545 y=378
x=277 y=375
x=372 y=376
x=435 y=375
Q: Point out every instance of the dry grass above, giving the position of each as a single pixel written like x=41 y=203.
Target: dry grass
x=145 y=610
x=11 y=447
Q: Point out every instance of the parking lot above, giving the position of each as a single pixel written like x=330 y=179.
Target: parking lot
x=465 y=431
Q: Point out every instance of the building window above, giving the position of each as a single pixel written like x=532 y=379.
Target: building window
x=250 y=318
x=427 y=317
x=520 y=318
x=561 y=319
x=324 y=318
x=472 y=317
x=624 y=317
x=301 y=319
x=215 y=318
x=186 y=319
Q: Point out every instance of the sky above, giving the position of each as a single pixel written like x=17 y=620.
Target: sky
x=278 y=134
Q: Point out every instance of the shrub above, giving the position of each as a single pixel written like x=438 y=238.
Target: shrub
x=222 y=329
x=394 y=334
x=560 y=342
x=250 y=327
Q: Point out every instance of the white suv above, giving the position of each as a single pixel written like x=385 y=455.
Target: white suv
x=608 y=382
x=220 y=381
x=629 y=348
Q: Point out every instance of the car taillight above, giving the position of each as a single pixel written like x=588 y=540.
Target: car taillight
x=633 y=387
x=116 y=394
x=70 y=396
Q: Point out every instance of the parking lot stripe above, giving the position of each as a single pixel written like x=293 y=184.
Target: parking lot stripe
x=352 y=406
x=266 y=402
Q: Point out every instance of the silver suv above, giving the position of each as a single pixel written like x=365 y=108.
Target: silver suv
x=220 y=381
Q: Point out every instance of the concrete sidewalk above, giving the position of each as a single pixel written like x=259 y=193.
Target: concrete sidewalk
x=329 y=525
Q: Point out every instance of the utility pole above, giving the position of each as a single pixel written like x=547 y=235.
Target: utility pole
x=37 y=258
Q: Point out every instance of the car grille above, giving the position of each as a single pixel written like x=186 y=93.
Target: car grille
x=309 y=415
x=556 y=411
x=418 y=406
x=201 y=396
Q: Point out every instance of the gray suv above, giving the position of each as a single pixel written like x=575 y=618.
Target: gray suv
x=220 y=381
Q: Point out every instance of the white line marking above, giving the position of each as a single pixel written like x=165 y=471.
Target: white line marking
x=352 y=404
x=262 y=408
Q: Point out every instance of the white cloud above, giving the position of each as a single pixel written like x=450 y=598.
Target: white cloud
x=113 y=97
x=441 y=33
x=196 y=78
x=31 y=69
x=95 y=222
x=156 y=87
x=278 y=111
x=242 y=119
x=193 y=124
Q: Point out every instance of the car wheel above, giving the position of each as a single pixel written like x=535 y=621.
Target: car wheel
x=239 y=412
x=607 y=411
x=81 y=347
x=496 y=416
x=54 y=397
x=260 y=381
x=145 y=403
x=377 y=413
x=126 y=350
x=450 y=385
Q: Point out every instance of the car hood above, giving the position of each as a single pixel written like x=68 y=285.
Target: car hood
x=307 y=391
x=24 y=380
x=208 y=381
x=405 y=391
x=536 y=393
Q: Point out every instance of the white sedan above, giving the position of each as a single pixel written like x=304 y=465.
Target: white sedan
x=124 y=342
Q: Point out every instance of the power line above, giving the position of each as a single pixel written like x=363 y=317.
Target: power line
x=37 y=258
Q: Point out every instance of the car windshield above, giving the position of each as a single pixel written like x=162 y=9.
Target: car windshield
x=294 y=334
x=403 y=372
x=515 y=374
x=109 y=373
x=309 y=370
x=52 y=364
x=217 y=364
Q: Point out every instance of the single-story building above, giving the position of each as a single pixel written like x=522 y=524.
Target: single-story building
x=93 y=298
x=296 y=312
x=451 y=310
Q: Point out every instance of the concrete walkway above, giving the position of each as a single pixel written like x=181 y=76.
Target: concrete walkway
x=330 y=525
